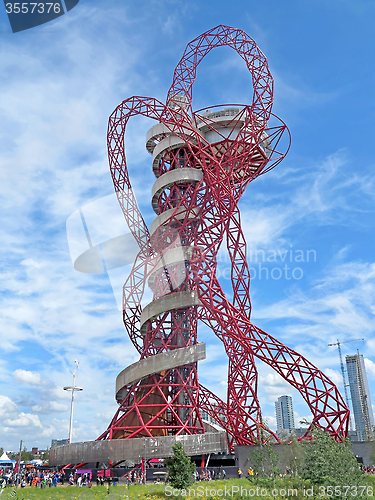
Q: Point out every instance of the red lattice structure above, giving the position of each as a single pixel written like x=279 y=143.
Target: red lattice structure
x=203 y=161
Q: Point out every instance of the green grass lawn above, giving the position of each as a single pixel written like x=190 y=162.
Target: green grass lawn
x=267 y=489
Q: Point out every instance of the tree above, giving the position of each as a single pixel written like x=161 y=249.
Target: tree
x=45 y=456
x=26 y=456
x=294 y=454
x=180 y=468
x=264 y=459
x=328 y=460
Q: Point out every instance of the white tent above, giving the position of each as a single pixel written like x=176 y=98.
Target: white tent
x=5 y=460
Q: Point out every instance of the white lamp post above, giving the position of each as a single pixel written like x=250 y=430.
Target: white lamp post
x=72 y=388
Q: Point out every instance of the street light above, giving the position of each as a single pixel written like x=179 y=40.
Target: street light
x=72 y=388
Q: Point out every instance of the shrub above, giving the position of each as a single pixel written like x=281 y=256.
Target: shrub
x=180 y=468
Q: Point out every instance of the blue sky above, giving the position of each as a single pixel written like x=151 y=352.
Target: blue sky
x=58 y=85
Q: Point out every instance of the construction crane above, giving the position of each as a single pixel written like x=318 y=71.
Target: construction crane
x=338 y=343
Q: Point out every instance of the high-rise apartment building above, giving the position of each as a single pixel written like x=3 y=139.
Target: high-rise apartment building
x=360 y=394
x=284 y=414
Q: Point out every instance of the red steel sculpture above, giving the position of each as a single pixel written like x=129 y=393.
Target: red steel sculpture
x=203 y=161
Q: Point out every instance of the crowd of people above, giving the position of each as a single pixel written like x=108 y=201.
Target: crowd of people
x=135 y=476
x=42 y=479
x=368 y=470
x=31 y=477
x=209 y=474
x=52 y=478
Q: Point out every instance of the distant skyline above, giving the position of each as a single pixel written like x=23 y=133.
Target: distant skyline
x=309 y=223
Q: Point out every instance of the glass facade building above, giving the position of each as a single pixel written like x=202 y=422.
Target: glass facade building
x=360 y=394
x=284 y=414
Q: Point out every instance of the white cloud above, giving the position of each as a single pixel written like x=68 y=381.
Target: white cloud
x=50 y=407
x=23 y=420
x=274 y=385
x=266 y=218
x=12 y=418
x=334 y=375
x=58 y=392
x=48 y=431
x=342 y=299
x=270 y=421
x=370 y=366
x=32 y=263
x=26 y=377
x=7 y=407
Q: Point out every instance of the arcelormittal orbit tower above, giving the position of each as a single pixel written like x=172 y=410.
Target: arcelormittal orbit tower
x=202 y=161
